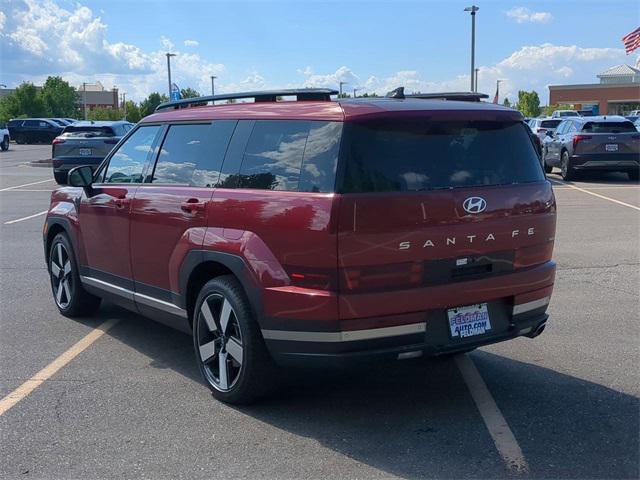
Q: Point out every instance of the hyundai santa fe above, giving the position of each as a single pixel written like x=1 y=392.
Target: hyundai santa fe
x=312 y=231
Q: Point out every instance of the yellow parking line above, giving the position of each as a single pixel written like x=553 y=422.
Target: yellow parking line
x=47 y=372
x=502 y=436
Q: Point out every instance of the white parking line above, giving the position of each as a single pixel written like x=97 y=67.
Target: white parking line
x=47 y=372
x=25 y=185
x=602 y=196
x=25 y=218
x=502 y=436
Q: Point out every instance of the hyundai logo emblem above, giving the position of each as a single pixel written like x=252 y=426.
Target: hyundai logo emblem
x=474 y=205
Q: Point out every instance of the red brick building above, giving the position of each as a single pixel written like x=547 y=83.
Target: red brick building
x=617 y=93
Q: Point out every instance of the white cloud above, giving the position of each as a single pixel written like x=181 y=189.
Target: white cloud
x=331 y=80
x=44 y=38
x=524 y=15
x=528 y=68
x=191 y=43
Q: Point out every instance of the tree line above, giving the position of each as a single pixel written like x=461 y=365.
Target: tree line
x=57 y=98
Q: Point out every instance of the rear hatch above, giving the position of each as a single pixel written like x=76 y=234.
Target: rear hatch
x=429 y=203
x=615 y=139
x=84 y=144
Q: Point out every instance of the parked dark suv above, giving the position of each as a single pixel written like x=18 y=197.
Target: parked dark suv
x=85 y=143
x=602 y=144
x=312 y=231
x=34 y=130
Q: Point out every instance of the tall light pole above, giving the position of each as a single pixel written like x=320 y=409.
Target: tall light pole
x=473 y=9
x=354 y=92
x=213 y=87
x=476 y=84
x=341 y=84
x=124 y=104
x=84 y=99
x=169 y=55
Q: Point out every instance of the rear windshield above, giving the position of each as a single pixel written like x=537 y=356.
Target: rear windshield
x=550 y=123
x=416 y=155
x=88 y=131
x=609 y=127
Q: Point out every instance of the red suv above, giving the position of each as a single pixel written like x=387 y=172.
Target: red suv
x=312 y=231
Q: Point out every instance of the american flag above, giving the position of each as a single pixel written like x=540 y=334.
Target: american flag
x=631 y=41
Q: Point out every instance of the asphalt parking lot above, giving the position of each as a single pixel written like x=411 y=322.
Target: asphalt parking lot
x=131 y=404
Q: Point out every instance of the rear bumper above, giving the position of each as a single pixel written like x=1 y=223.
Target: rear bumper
x=518 y=312
x=606 y=162
x=66 y=164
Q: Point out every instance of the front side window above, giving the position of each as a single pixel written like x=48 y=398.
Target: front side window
x=419 y=155
x=127 y=164
x=192 y=154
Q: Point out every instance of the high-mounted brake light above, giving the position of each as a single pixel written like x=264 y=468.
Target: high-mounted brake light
x=580 y=138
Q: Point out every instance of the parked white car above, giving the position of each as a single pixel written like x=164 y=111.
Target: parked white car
x=565 y=113
x=4 y=139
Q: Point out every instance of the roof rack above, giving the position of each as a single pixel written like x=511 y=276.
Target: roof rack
x=460 y=96
x=320 y=94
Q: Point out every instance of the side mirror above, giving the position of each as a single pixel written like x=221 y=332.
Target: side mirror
x=80 y=176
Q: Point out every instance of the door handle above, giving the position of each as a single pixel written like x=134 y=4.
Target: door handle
x=193 y=205
x=121 y=202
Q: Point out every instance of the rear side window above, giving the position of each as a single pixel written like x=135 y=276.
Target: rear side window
x=31 y=123
x=192 y=154
x=14 y=123
x=128 y=163
x=273 y=156
x=417 y=155
x=292 y=155
x=609 y=127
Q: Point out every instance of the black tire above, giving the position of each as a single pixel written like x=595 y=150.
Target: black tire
x=567 y=172
x=634 y=175
x=4 y=146
x=71 y=299
x=19 y=140
x=60 y=177
x=225 y=331
x=547 y=168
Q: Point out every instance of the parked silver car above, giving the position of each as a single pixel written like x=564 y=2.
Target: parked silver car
x=540 y=126
x=604 y=143
x=85 y=143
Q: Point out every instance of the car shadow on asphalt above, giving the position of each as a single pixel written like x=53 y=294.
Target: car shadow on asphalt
x=416 y=419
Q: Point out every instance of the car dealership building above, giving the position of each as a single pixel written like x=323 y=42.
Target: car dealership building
x=617 y=93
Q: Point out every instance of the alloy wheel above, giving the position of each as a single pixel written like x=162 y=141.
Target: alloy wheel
x=61 y=278
x=220 y=346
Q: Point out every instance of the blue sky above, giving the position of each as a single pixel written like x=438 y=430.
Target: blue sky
x=374 y=46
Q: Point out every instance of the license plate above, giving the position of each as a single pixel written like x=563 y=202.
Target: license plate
x=469 y=321
x=611 y=147
x=85 y=152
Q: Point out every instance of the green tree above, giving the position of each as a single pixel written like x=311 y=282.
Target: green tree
x=189 y=93
x=59 y=98
x=25 y=101
x=506 y=102
x=149 y=104
x=105 y=114
x=529 y=103
x=133 y=111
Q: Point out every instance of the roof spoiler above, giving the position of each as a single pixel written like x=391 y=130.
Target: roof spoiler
x=460 y=96
x=318 y=94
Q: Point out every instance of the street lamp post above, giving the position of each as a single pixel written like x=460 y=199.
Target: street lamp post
x=213 y=88
x=169 y=55
x=476 y=84
x=341 y=84
x=473 y=9
x=354 y=92
x=84 y=100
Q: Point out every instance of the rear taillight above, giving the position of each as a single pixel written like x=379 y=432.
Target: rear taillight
x=579 y=138
x=57 y=140
x=111 y=141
